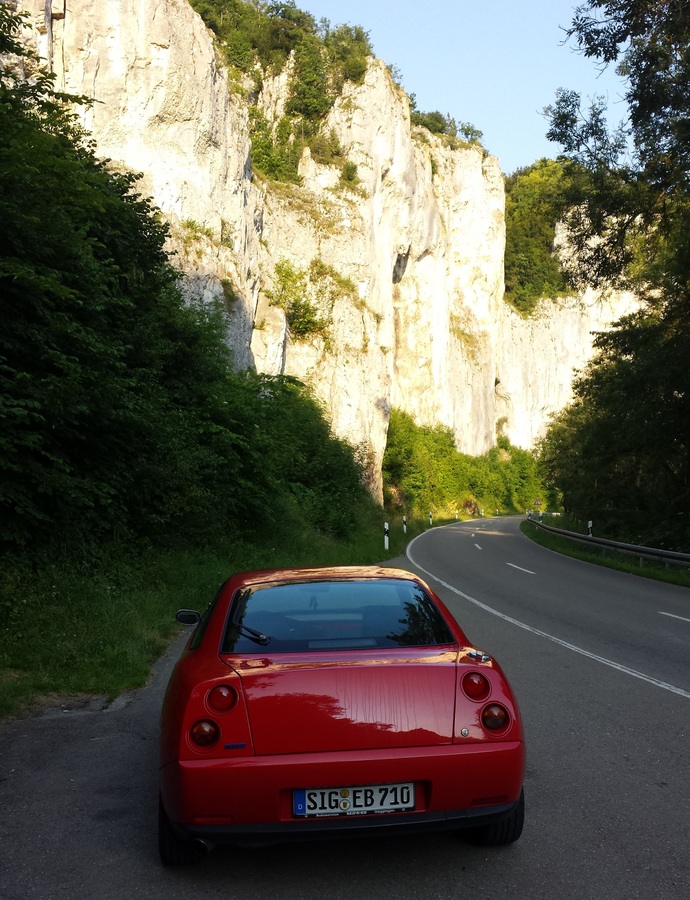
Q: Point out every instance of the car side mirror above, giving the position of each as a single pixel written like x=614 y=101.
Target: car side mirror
x=188 y=616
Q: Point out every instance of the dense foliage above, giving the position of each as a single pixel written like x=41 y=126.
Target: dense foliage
x=257 y=38
x=534 y=206
x=121 y=415
x=620 y=453
x=423 y=472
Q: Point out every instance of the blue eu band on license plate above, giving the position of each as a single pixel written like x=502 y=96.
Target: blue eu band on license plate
x=353 y=801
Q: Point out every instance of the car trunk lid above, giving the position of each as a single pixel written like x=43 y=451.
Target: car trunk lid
x=355 y=701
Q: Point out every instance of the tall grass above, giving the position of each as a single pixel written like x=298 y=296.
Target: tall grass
x=96 y=626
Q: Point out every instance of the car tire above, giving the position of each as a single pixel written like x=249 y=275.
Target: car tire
x=498 y=834
x=173 y=850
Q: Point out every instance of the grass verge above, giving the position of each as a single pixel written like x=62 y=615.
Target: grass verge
x=94 y=627
x=603 y=556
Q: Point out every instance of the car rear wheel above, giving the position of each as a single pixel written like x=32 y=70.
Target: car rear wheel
x=507 y=831
x=173 y=850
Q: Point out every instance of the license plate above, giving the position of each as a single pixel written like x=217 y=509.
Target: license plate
x=353 y=801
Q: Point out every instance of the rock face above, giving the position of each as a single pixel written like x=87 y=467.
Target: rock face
x=404 y=268
x=538 y=357
x=162 y=108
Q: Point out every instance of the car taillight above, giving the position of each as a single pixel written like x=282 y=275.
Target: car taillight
x=222 y=698
x=204 y=733
x=495 y=717
x=476 y=686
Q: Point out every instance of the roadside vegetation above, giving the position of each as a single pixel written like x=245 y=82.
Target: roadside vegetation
x=601 y=556
x=620 y=452
x=424 y=473
x=138 y=469
x=131 y=452
x=93 y=623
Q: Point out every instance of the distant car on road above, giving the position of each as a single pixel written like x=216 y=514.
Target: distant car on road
x=331 y=701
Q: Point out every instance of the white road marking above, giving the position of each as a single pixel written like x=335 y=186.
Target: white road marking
x=549 y=637
x=682 y=618
x=529 y=571
x=477 y=546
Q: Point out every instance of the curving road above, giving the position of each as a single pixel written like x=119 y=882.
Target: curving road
x=601 y=663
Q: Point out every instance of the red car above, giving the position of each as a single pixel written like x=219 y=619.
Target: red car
x=324 y=702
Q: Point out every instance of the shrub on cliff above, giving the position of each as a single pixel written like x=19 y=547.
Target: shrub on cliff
x=455 y=134
x=260 y=39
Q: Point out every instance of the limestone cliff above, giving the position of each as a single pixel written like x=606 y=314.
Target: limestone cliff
x=404 y=268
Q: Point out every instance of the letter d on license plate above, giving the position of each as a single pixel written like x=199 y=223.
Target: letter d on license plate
x=353 y=801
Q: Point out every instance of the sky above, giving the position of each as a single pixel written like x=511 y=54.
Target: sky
x=492 y=63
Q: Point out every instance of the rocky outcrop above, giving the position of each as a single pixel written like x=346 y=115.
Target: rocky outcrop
x=404 y=268
x=538 y=358
x=162 y=107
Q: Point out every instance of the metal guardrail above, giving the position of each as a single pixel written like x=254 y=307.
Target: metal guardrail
x=666 y=557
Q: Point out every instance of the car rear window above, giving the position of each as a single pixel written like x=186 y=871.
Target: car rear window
x=334 y=615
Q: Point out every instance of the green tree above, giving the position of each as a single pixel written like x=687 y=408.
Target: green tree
x=424 y=472
x=437 y=123
x=470 y=133
x=292 y=296
x=318 y=478
x=121 y=415
x=309 y=96
x=239 y=27
x=281 y=27
x=630 y=185
x=80 y=254
x=629 y=222
x=274 y=156
x=534 y=205
x=349 y=49
x=619 y=452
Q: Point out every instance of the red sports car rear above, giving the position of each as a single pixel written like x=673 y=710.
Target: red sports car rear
x=318 y=702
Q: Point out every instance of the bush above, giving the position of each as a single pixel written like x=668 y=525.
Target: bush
x=348 y=174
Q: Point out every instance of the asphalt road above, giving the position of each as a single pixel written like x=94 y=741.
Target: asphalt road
x=601 y=664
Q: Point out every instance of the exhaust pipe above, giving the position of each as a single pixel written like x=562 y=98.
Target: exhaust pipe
x=202 y=845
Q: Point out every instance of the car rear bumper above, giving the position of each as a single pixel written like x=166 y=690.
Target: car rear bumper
x=352 y=826
x=250 y=800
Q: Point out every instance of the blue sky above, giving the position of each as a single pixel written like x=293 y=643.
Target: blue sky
x=493 y=63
